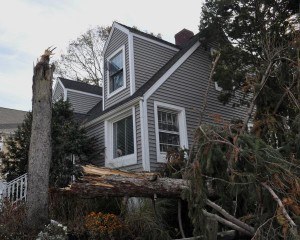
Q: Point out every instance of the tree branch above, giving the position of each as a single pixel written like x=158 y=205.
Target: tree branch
x=227 y=223
x=180 y=219
x=277 y=199
x=262 y=83
x=230 y=217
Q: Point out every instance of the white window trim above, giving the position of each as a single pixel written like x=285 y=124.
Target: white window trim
x=161 y=157
x=126 y=160
x=109 y=95
x=217 y=87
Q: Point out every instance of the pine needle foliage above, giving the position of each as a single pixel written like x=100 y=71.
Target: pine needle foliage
x=231 y=168
x=68 y=138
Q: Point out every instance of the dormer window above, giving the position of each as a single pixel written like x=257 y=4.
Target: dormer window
x=116 y=72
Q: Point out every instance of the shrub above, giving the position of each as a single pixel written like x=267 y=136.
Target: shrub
x=104 y=226
x=12 y=225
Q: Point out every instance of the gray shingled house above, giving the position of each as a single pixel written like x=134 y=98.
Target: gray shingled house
x=151 y=98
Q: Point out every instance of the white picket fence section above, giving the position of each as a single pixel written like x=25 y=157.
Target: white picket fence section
x=14 y=190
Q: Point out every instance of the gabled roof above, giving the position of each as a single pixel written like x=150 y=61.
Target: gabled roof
x=93 y=114
x=81 y=86
x=147 y=35
x=11 y=118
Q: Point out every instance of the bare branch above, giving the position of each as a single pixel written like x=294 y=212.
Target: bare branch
x=251 y=108
x=210 y=80
x=227 y=223
x=180 y=219
x=277 y=199
x=230 y=217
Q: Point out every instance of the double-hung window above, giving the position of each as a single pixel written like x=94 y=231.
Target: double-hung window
x=170 y=129
x=116 y=71
x=169 y=137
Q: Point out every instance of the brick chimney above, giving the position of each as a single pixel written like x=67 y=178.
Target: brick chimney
x=183 y=36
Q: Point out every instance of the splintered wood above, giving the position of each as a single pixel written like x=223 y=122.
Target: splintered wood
x=99 y=181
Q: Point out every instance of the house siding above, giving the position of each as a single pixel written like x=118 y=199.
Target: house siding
x=82 y=103
x=148 y=59
x=187 y=86
x=96 y=131
x=59 y=93
x=118 y=39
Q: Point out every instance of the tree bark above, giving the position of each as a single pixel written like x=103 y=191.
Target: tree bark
x=40 y=144
x=97 y=182
x=106 y=182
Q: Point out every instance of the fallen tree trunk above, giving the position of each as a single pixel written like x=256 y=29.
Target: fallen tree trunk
x=106 y=182
x=97 y=182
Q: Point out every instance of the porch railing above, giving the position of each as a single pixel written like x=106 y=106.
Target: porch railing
x=15 y=190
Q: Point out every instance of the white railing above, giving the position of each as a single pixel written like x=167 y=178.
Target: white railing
x=15 y=190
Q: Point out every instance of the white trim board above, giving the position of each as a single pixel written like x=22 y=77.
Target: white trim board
x=55 y=86
x=112 y=112
x=144 y=132
x=65 y=90
x=85 y=93
x=131 y=63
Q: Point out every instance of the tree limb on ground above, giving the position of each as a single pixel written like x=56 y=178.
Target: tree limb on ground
x=100 y=181
x=227 y=223
x=97 y=182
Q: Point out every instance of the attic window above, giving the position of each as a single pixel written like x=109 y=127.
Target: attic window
x=116 y=71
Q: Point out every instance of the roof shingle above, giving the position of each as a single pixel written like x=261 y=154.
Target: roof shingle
x=81 y=86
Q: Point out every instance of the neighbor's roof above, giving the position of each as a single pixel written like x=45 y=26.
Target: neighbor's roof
x=11 y=118
x=81 y=86
x=94 y=113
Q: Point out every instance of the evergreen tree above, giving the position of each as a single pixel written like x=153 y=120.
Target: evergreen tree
x=68 y=139
x=262 y=43
x=255 y=177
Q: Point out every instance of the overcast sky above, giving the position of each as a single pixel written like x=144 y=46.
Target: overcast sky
x=27 y=27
